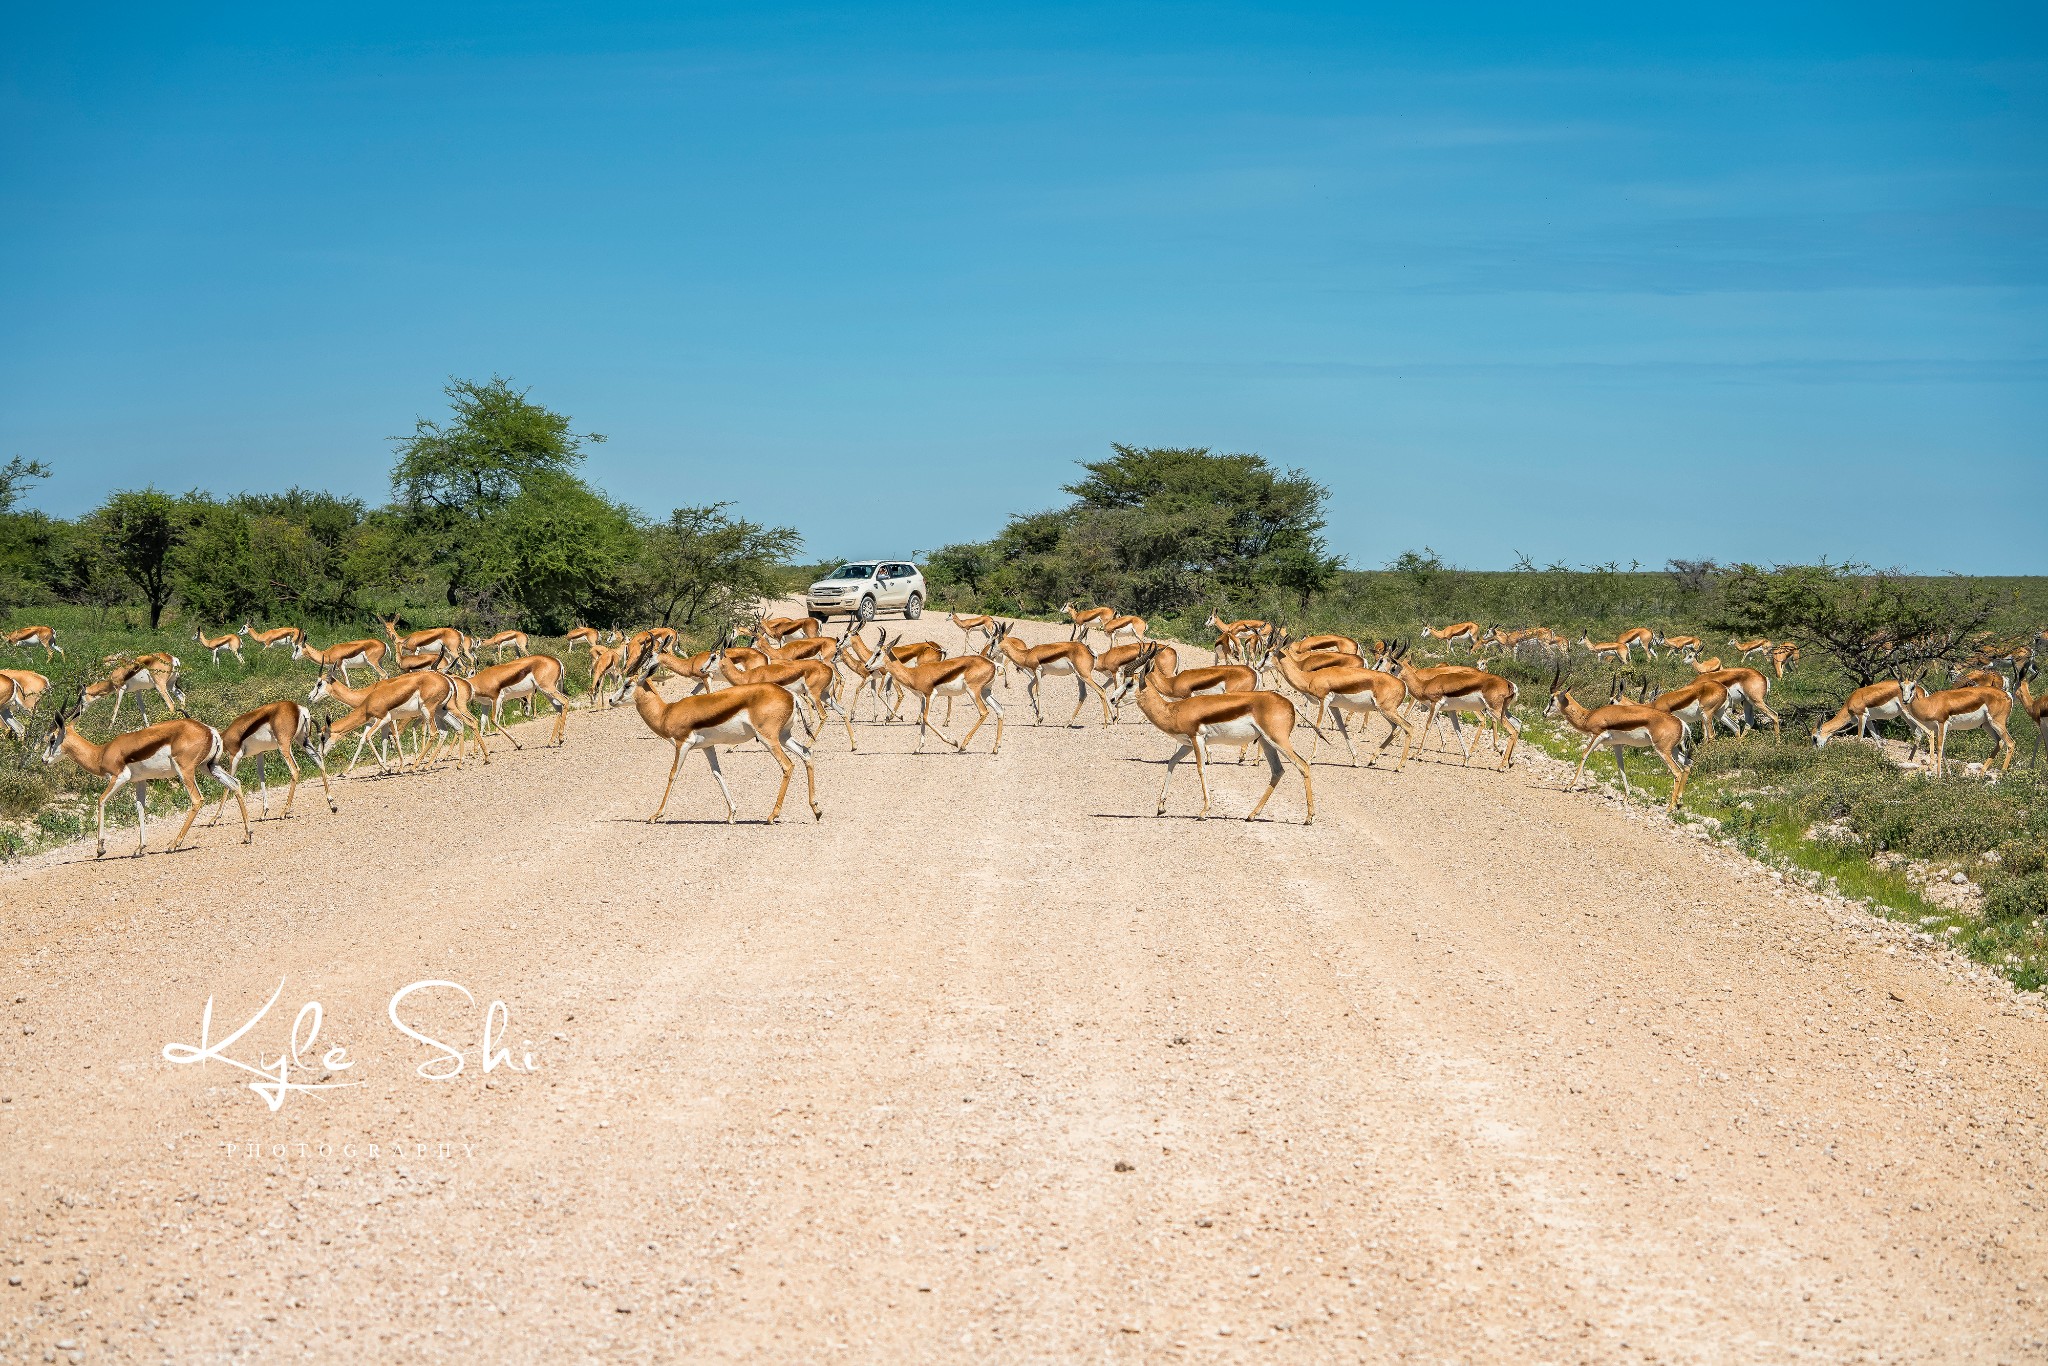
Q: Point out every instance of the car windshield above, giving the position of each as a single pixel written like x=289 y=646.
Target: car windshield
x=854 y=571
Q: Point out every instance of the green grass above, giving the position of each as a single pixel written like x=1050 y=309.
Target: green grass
x=1767 y=796
x=42 y=805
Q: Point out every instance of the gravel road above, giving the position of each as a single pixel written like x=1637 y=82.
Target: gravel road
x=991 y=1064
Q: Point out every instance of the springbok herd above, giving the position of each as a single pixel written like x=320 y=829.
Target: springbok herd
x=792 y=675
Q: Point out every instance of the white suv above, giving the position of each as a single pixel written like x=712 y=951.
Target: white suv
x=865 y=587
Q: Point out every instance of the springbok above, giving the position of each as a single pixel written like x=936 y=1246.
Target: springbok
x=730 y=716
x=362 y=653
x=971 y=676
x=1353 y=688
x=231 y=643
x=156 y=672
x=1881 y=701
x=169 y=751
x=1061 y=659
x=1241 y=718
x=275 y=728
x=1454 y=689
x=44 y=636
x=1621 y=726
x=1953 y=709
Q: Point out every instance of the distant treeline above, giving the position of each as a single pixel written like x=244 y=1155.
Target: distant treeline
x=1173 y=534
x=489 y=526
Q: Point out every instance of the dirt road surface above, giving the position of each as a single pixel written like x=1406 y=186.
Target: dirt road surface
x=991 y=1064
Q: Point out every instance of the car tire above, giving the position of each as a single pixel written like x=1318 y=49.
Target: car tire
x=914 y=609
x=818 y=616
x=865 y=613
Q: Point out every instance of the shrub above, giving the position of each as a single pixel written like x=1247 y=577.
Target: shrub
x=22 y=793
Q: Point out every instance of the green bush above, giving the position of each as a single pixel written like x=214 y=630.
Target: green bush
x=2009 y=897
x=22 y=793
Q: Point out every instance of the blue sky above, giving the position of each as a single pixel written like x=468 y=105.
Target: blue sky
x=1621 y=285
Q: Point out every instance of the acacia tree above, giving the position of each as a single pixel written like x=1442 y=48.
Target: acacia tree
x=452 y=476
x=1160 y=530
x=703 y=560
x=1871 y=622
x=138 y=532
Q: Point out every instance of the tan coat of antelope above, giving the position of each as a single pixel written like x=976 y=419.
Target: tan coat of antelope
x=169 y=751
x=231 y=644
x=527 y=676
x=138 y=677
x=1061 y=659
x=969 y=676
x=1626 y=725
x=1240 y=718
x=275 y=728
x=1452 y=689
x=1882 y=701
x=730 y=716
x=45 y=636
x=1953 y=709
x=1345 y=688
x=367 y=654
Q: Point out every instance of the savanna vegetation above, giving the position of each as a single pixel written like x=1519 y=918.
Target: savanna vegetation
x=1175 y=534
x=491 y=523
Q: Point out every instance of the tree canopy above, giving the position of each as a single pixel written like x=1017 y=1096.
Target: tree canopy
x=1158 y=530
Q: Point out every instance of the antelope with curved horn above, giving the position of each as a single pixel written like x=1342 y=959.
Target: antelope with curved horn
x=1755 y=648
x=1239 y=718
x=1061 y=659
x=45 y=636
x=1622 y=726
x=731 y=716
x=1638 y=638
x=1352 y=688
x=1453 y=689
x=231 y=643
x=275 y=728
x=169 y=751
x=809 y=680
x=971 y=676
